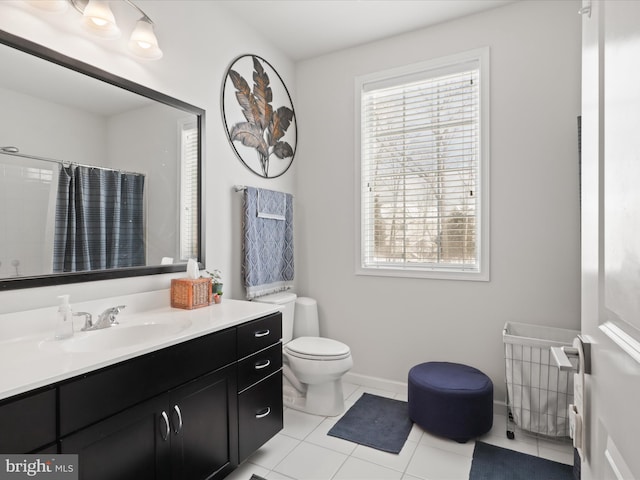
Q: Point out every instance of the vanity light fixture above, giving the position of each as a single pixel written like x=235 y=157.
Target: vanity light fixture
x=50 y=5
x=99 y=19
x=143 y=40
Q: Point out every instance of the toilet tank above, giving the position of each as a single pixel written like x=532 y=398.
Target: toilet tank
x=306 y=323
x=287 y=303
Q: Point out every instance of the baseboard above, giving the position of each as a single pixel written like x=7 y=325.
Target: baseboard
x=375 y=382
x=499 y=407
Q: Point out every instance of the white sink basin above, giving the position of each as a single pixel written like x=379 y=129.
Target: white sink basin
x=117 y=336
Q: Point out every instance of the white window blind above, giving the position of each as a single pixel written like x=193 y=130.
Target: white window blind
x=421 y=170
x=189 y=191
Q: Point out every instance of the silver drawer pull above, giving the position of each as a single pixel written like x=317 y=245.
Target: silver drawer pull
x=177 y=428
x=262 y=333
x=263 y=413
x=165 y=419
x=261 y=365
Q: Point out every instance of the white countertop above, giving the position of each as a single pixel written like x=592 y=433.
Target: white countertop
x=31 y=358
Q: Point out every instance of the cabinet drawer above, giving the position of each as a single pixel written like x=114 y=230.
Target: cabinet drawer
x=259 y=334
x=28 y=423
x=259 y=414
x=254 y=368
x=108 y=391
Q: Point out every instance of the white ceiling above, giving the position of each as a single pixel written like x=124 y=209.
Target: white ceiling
x=300 y=28
x=25 y=73
x=307 y=28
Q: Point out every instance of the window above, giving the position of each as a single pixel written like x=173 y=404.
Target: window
x=423 y=169
x=188 y=190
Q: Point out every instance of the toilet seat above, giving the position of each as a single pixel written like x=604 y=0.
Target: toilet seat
x=317 y=348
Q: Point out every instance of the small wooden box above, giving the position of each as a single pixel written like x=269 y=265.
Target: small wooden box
x=191 y=293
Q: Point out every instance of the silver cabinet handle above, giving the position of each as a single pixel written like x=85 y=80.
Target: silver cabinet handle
x=165 y=418
x=263 y=413
x=261 y=365
x=261 y=333
x=177 y=428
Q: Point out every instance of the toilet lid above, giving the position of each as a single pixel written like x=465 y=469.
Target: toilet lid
x=317 y=347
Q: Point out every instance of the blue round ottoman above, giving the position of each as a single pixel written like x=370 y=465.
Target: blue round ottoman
x=451 y=400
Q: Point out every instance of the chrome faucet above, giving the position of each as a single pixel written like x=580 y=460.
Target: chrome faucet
x=88 y=320
x=105 y=319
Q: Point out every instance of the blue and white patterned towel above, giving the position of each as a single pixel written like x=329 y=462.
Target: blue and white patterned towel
x=267 y=265
x=272 y=204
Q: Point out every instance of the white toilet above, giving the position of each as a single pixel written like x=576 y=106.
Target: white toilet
x=312 y=366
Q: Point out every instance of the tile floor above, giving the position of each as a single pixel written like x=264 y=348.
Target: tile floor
x=304 y=451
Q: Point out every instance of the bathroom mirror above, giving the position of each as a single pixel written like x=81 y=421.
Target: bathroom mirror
x=67 y=127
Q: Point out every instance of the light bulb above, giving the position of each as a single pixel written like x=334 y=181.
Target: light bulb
x=99 y=21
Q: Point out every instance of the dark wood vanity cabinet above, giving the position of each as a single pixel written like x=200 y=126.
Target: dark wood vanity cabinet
x=204 y=446
x=191 y=411
x=28 y=422
x=184 y=434
x=123 y=446
x=259 y=383
x=259 y=414
x=88 y=399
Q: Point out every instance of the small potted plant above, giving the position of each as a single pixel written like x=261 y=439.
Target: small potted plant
x=216 y=285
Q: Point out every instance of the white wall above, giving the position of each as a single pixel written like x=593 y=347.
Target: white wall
x=27 y=199
x=199 y=40
x=143 y=140
x=25 y=190
x=146 y=140
x=390 y=324
x=394 y=323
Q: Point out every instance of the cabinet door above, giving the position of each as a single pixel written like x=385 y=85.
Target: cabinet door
x=203 y=439
x=185 y=434
x=28 y=423
x=127 y=446
x=259 y=414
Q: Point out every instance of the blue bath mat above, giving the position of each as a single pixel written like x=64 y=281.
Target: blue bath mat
x=496 y=463
x=376 y=422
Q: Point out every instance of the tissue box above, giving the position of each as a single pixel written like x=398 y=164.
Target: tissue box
x=190 y=293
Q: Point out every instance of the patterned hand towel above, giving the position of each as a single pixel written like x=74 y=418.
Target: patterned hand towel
x=272 y=205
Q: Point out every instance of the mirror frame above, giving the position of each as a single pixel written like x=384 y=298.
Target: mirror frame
x=47 y=54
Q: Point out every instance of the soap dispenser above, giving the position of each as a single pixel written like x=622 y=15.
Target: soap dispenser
x=64 y=328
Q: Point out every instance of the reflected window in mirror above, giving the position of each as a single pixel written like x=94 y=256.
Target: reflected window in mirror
x=188 y=190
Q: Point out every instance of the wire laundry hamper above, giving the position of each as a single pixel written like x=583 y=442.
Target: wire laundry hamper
x=538 y=393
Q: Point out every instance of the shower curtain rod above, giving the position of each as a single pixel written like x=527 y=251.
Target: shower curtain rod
x=15 y=152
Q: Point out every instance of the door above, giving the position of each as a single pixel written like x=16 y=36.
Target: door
x=125 y=446
x=611 y=236
x=259 y=414
x=186 y=434
x=203 y=427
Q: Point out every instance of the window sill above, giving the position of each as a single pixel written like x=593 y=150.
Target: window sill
x=449 y=274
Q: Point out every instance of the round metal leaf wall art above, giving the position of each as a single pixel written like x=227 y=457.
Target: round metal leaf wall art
x=259 y=117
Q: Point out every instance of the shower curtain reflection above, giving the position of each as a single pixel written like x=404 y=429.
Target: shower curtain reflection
x=99 y=221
